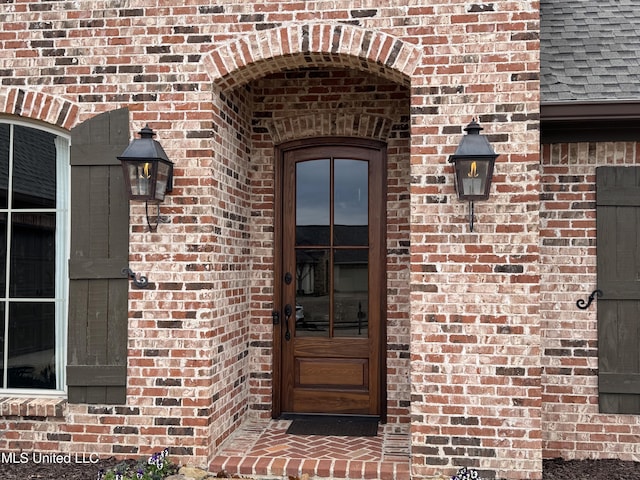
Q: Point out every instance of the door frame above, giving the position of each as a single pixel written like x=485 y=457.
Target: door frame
x=277 y=374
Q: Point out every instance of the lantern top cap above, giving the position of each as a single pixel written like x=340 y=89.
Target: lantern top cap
x=147 y=132
x=145 y=148
x=473 y=128
x=473 y=145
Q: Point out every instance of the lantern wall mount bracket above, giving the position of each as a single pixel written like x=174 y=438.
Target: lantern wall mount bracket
x=152 y=227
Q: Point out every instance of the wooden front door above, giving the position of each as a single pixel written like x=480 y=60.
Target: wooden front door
x=331 y=281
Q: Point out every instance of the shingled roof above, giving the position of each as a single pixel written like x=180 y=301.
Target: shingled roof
x=590 y=50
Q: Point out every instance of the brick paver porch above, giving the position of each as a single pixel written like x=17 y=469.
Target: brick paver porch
x=265 y=449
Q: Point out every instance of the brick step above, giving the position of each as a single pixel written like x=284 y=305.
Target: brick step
x=266 y=451
x=266 y=468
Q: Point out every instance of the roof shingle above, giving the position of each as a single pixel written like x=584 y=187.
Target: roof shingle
x=590 y=50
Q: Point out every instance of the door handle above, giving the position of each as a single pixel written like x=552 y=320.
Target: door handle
x=287 y=315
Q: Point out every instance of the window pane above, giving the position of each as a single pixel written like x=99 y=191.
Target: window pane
x=2 y=344
x=313 y=190
x=34 y=168
x=351 y=297
x=33 y=252
x=31 y=361
x=4 y=163
x=3 y=254
x=312 y=293
x=351 y=202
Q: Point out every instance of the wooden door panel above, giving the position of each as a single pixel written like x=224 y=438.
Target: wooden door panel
x=338 y=347
x=331 y=372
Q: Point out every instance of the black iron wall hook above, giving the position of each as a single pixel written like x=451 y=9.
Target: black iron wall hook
x=584 y=305
x=139 y=281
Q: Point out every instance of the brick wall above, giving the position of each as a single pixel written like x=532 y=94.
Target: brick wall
x=475 y=341
x=572 y=426
x=464 y=307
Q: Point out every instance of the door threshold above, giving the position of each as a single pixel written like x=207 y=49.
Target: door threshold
x=294 y=416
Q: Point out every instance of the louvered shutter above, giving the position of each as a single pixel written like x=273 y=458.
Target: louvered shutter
x=618 y=247
x=98 y=291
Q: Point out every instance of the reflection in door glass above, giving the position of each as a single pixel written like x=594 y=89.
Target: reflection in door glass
x=313 y=200
x=351 y=297
x=351 y=202
x=312 y=293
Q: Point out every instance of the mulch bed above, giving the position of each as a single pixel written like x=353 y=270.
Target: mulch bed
x=555 y=469
x=558 y=469
x=68 y=468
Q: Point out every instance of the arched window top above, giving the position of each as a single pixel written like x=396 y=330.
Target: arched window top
x=34 y=125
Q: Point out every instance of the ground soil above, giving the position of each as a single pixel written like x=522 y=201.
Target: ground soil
x=555 y=469
x=71 y=468
x=558 y=469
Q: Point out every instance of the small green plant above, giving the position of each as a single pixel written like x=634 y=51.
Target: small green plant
x=156 y=467
x=466 y=474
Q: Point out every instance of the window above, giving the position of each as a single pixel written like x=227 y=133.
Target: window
x=34 y=179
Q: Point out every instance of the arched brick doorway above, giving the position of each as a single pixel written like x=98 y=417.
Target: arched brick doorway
x=268 y=92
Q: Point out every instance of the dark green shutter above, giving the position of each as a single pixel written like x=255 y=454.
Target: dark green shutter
x=618 y=244
x=98 y=291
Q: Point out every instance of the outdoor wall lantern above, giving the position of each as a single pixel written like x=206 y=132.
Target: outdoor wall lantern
x=148 y=172
x=473 y=163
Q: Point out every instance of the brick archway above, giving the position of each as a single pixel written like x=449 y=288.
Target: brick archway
x=39 y=106
x=252 y=56
x=245 y=130
x=337 y=124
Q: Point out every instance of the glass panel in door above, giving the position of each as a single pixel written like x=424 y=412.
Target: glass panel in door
x=350 y=292
x=351 y=202
x=313 y=203
x=313 y=301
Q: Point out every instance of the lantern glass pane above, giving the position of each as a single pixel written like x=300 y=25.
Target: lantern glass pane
x=164 y=170
x=472 y=177
x=140 y=175
x=162 y=180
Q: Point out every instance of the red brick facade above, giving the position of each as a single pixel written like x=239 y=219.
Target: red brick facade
x=572 y=425
x=483 y=367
